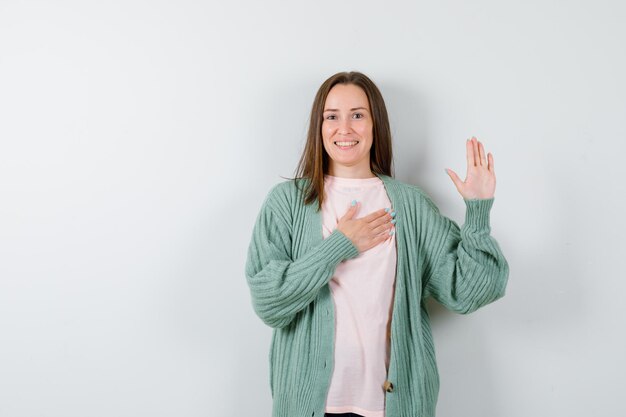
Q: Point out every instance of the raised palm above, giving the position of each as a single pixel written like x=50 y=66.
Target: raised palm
x=480 y=180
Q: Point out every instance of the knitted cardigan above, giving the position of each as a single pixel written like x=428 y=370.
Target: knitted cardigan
x=289 y=265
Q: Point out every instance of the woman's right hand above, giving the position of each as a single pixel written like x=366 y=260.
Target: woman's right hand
x=368 y=231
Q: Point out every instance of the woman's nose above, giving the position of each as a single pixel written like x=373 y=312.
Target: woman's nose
x=345 y=125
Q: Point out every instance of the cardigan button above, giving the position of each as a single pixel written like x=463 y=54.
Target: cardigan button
x=388 y=386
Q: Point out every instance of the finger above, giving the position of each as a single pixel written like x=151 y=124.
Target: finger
x=483 y=157
x=378 y=240
x=475 y=149
x=379 y=227
x=456 y=180
x=385 y=237
x=350 y=213
x=470 y=154
x=380 y=220
x=490 y=167
x=374 y=215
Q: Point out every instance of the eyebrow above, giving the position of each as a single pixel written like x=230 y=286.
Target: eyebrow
x=352 y=109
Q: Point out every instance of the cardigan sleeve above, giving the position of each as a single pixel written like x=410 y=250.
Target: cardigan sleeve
x=280 y=286
x=468 y=267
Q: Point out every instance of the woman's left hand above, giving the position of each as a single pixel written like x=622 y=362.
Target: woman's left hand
x=480 y=181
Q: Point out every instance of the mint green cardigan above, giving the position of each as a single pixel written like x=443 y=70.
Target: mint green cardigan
x=289 y=265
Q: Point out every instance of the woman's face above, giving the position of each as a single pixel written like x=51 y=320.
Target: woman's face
x=347 y=131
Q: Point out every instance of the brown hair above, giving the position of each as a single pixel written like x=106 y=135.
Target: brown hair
x=314 y=160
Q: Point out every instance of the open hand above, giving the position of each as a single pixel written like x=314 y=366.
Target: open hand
x=480 y=181
x=368 y=231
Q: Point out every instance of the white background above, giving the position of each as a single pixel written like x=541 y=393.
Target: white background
x=139 y=138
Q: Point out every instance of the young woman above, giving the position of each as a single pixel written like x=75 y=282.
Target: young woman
x=343 y=257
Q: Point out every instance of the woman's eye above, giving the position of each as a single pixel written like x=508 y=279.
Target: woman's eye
x=360 y=115
x=330 y=117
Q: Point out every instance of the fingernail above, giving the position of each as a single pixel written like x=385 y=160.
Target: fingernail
x=353 y=202
x=386 y=209
x=393 y=213
x=393 y=221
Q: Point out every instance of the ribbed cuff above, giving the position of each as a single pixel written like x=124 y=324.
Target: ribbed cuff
x=477 y=213
x=338 y=247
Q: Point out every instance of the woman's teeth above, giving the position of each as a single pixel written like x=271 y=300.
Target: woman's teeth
x=352 y=143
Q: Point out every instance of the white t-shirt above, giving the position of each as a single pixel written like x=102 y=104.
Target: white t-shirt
x=362 y=289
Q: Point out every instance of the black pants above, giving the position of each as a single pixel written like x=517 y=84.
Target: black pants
x=342 y=415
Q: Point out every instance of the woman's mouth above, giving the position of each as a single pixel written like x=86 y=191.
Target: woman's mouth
x=346 y=144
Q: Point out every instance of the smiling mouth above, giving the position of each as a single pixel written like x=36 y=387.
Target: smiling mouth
x=346 y=144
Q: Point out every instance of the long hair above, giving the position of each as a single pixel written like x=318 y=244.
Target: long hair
x=314 y=160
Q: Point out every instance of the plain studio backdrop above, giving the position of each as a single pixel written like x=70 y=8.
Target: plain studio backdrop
x=139 y=139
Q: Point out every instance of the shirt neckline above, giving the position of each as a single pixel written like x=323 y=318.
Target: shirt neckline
x=330 y=179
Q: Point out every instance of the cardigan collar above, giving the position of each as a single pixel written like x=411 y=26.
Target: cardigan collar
x=390 y=187
x=389 y=183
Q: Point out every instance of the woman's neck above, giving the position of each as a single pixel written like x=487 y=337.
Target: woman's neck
x=350 y=172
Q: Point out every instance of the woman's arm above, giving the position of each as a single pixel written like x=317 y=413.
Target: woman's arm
x=468 y=269
x=281 y=286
